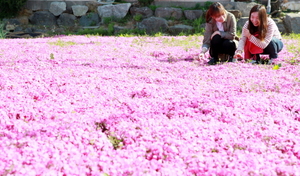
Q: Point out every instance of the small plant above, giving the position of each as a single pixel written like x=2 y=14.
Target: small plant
x=131 y=32
x=2 y=31
x=206 y=5
x=100 y=31
x=110 y=29
x=107 y=20
x=197 y=24
x=123 y=20
x=61 y=44
x=138 y=17
x=116 y=142
x=153 y=7
x=276 y=67
x=93 y=23
x=9 y=8
x=51 y=56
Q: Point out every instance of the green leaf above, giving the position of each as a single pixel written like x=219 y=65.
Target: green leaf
x=276 y=67
x=51 y=56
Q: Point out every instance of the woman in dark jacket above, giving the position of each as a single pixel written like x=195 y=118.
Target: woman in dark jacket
x=220 y=34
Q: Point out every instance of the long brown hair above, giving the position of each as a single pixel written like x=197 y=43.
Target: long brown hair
x=214 y=10
x=263 y=25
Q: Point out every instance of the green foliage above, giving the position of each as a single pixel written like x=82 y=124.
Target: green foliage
x=110 y=29
x=51 y=56
x=131 y=32
x=197 y=6
x=206 y=5
x=2 y=31
x=100 y=31
x=239 y=30
x=138 y=17
x=153 y=7
x=116 y=142
x=107 y=20
x=187 y=43
x=276 y=67
x=196 y=24
x=9 y=8
x=61 y=44
x=291 y=36
x=145 y=2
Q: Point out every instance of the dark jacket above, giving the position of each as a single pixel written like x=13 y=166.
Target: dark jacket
x=229 y=32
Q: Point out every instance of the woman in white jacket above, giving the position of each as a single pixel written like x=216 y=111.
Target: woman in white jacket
x=262 y=34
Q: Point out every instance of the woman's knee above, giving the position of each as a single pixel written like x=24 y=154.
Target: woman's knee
x=217 y=39
x=229 y=44
x=271 y=49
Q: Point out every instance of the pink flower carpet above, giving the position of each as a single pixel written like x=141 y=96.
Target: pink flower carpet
x=113 y=106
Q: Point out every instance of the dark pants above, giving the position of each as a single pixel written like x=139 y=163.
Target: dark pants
x=219 y=45
x=274 y=47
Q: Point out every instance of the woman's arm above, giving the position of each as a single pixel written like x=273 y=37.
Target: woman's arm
x=207 y=34
x=243 y=38
x=230 y=29
x=270 y=33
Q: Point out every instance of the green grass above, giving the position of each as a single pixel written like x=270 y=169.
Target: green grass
x=61 y=44
x=2 y=31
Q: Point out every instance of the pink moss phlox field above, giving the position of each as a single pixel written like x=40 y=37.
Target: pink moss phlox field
x=77 y=105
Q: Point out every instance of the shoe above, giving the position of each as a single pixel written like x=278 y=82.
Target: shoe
x=212 y=61
x=231 y=59
x=256 y=59
x=255 y=62
x=270 y=61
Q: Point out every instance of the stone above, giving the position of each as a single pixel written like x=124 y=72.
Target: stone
x=57 y=8
x=292 y=23
x=91 y=19
x=118 y=11
x=236 y=13
x=153 y=25
x=79 y=10
x=13 y=21
x=241 y=22
x=66 y=19
x=281 y=28
x=244 y=7
x=146 y=12
x=291 y=5
x=23 y=20
x=10 y=27
x=193 y=14
x=19 y=29
x=177 y=29
x=229 y=6
x=25 y=12
x=24 y=34
x=169 y=12
x=92 y=6
x=43 y=18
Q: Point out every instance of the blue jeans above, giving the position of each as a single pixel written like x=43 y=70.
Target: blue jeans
x=274 y=47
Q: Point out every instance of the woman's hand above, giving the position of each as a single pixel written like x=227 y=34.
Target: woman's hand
x=246 y=33
x=201 y=55
x=238 y=55
x=215 y=33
